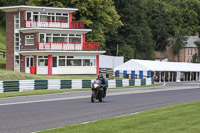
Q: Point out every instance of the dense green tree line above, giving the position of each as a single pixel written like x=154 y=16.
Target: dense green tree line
x=131 y=28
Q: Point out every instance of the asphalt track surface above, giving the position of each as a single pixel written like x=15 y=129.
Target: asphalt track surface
x=35 y=113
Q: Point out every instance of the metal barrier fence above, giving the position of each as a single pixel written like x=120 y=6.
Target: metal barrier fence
x=26 y=85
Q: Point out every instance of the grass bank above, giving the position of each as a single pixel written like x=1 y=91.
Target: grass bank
x=43 y=92
x=12 y=75
x=182 y=118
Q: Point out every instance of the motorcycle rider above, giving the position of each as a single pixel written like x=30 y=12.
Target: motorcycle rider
x=103 y=83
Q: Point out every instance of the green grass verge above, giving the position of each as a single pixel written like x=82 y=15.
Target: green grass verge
x=12 y=75
x=38 y=92
x=183 y=118
x=43 y=92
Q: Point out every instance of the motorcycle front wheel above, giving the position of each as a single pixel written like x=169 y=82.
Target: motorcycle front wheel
x=101 y=96
x=93 y=96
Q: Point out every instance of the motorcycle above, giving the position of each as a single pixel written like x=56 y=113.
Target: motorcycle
x=97 y=91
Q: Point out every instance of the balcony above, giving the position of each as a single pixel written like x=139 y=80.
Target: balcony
x=68 y=46
x=54 y=24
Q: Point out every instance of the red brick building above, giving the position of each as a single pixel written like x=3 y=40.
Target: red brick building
x=48 y=39
x=185 y=54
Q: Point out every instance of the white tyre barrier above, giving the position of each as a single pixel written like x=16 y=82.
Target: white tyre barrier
x=1 y=86
x=111 y=83
x=137 y=82
x=148 y=81
x=125 y=82
x=76 y=84
x=53 y=84
x=26 y=85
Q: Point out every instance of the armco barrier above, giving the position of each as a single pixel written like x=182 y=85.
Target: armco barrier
x=65 y=84
x=25 y=85
x=10 y=86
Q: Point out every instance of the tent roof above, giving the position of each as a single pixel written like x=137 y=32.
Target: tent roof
x=146 y=65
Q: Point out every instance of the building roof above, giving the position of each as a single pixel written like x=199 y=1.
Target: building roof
x=190 y=41
x=37 y=8
x=147 y=65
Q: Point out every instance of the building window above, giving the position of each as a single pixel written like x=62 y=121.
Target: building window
x=29 y=16
x=16 y=67
x=16 y=19
x=70 y=38
x=17 y=39
x=29 y=40
x=77 y=60
x=47 y=17
x=195 y=51
x=89 y=61
x=62 y=60
x=73 y=62
x=191 y=51
x=188 y=51
x=42 y=60
x=75 y=38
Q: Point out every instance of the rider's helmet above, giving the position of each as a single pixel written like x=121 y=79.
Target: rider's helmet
x=100 y=76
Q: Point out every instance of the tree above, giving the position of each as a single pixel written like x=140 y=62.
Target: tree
x=9 y=3
x=126 y=51
x=135 y=33
x=196 y=57
x=177 y=42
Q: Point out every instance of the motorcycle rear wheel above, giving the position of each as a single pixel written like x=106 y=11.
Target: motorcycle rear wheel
x=101 y=97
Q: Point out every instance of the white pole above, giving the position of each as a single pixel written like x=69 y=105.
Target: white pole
x=178 y=76
x=164 y=77
x=168 y=76
x=187 y=76
x=199 y=76
x=160 y=77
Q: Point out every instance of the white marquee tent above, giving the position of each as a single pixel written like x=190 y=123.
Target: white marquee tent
x=158 y=66
x=146 y=65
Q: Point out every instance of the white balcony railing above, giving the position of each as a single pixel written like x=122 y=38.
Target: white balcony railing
x=68 y=46
x=46 y=23
x=54 y=24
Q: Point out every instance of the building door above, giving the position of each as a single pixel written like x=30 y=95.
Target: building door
x=54 y=65
x=28 y=63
